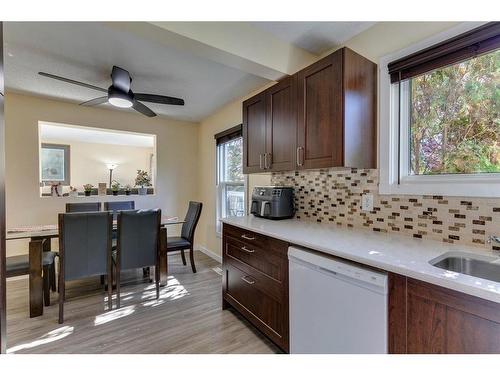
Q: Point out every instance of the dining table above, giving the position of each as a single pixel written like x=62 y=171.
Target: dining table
x=40 y=240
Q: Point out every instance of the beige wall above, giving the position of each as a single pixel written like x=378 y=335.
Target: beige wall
x=225 y=118
x=88 y=162
x=379 y=40
x=177 y=158
x=387 y=37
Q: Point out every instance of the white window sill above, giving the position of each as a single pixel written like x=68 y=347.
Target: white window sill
x=450 y=188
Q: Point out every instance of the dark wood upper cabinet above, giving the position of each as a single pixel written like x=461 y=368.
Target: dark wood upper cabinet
x=281 y=124
x=320 y=128
x=359 y=110
x=254 y=133
x=323 y=116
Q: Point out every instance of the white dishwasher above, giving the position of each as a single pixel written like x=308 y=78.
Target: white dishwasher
x=335 y=306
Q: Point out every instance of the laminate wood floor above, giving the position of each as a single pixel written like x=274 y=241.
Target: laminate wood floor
x=186 y=319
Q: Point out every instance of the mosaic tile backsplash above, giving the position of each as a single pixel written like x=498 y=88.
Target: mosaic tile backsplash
x=334 y=196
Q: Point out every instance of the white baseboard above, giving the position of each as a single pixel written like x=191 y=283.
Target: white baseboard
x=211 y=254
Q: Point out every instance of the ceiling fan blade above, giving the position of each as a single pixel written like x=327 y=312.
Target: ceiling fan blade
x=96 y=101
x=139 y=107
x=121 y=78
x=160 y=99
x=72 y=81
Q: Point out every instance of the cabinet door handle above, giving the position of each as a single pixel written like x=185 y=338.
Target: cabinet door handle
x=300 y=156
x=244 y=248
x=266 y=162
x=251 y=282
x=247 y=237
x=260 y=161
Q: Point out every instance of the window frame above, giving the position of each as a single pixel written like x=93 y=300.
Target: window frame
x=393 y=147
x=222 y=138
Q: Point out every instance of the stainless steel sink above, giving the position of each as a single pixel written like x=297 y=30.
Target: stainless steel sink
x=485 y=267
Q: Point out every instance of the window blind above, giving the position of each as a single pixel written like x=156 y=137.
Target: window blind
x=229 y=134
x=470 y=44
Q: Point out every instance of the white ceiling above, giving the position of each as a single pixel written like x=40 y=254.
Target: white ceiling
x=50 y=132
x=315 y=37
x=86 y=51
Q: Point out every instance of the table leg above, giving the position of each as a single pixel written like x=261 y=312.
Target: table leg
x=163 y=257
x=51 y=280
x=35 y=277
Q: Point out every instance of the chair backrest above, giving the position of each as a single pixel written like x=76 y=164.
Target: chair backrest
x=138 y=238
x=85 y=243
x=83 y=207
x=191 y=220
x=118 y=206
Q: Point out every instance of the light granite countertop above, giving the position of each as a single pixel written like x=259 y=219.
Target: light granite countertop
x=391 y=252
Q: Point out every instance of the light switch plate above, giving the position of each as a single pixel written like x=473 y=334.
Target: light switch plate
x=367 y=202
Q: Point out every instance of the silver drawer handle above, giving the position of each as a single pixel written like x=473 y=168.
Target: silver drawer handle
x=300 y=156
x=247 y=238
x=251 y=282
x=244 y=248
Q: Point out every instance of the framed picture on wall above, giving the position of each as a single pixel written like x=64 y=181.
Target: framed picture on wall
x=55 y=164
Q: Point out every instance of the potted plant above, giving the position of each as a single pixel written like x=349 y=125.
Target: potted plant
x=143 y=181
x=87 y=188
x=128 y=189
x=115 y=187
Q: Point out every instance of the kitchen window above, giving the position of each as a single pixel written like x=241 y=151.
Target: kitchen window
x=231 y=184
x=440 y=123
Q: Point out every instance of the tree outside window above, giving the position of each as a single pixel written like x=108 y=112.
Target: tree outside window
x=454 y=118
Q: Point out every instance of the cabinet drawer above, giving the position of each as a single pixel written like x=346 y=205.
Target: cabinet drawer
x=252 y=239
x=258 y=306
x=266 y=261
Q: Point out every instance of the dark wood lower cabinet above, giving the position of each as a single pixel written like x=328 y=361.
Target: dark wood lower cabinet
x=425 y=318
x=255 y=281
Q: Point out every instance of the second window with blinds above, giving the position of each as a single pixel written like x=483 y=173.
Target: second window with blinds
x=231 y=186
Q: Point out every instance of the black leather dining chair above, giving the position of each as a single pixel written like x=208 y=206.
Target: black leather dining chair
x=84 y=250
x=138 y=244
x=115 y=207
x=83 y=207
x=186 y=239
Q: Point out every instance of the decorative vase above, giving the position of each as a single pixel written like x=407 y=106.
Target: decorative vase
x=143 y=191
x=87 y=193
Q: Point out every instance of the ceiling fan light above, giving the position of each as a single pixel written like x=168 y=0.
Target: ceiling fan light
x=119 y=98
x=120 y=102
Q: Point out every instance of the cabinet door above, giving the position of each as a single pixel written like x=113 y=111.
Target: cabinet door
x=320 y=119
x=281 y=125
x=425 y=318
x=247 y=293
x=254 y=133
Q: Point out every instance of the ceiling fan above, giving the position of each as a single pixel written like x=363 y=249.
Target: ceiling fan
x=119 y=93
